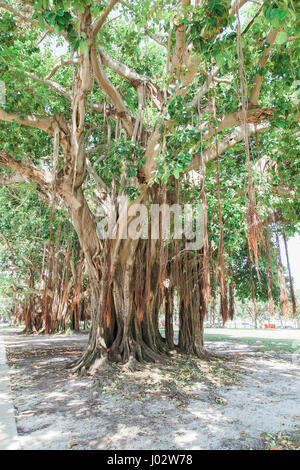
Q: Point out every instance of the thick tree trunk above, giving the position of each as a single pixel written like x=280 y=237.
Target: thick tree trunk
x=191 y=329
x=127 y=281
x=191 y=307
x=125 y=309
x=28 y=314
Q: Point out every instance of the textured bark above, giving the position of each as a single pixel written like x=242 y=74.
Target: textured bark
x=169 y=326
x=29 y=306
x=125 y=325
x=191 y=306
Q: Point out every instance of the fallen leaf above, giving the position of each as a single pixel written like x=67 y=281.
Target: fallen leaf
x=72 y=444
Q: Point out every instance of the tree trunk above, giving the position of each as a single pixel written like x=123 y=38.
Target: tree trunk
x=127 y=283
x=191 y=307
x=125 y=308
x=28 y=308
x=169 y=326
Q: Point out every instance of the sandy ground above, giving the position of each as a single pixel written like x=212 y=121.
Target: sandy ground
x=233 y=402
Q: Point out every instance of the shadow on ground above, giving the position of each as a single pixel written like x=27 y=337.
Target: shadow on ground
x=232 y=402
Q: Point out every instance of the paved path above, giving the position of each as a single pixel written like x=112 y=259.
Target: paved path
x=8 y=430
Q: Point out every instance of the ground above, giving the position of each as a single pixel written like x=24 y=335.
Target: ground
x=248 y=397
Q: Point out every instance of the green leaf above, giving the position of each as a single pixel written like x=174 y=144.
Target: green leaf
x=281 y=37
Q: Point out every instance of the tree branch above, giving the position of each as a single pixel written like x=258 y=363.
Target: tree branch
x=98 y=180
x=62 y=63
x=254 y=94
x=18 y=255
x=160 y=40
x=254 y=115
x=9 y=8
x=99 y=22
x=60 y=89
x=230 y=140
x=154 y=93
x=111 y=92
x=39 y=122
x=204 y=88
x=29 y=171
x=236 y=5
x=12 y=178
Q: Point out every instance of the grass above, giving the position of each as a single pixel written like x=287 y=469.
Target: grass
x=260 y=340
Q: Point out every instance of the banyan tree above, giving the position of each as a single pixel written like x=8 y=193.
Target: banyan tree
x=136 y=101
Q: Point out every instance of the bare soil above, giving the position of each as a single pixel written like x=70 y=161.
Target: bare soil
x=242 y=399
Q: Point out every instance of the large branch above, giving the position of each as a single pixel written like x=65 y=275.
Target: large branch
x=254 y=94
x=229 y=141
x=98 y=180
x=12 y=178
x=254 y=114
x=39 y=122
x=154 y=93
x=183 y=62
x=27 y=170
x=62 y=63
x=17 y=13
x=111 y=92
x=99 y=22
x=56 y=86
x=180 y=47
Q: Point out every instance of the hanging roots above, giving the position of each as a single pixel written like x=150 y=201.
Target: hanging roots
x=221 y=260
x=268 y=264
x=270 y=299
x=206 y=276
x=254 y=232
x=231 y=290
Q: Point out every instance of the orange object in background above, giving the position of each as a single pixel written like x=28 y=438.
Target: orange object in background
x=270 y=325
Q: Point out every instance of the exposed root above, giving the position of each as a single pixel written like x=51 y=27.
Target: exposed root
x=133 y=357
x=132 y=365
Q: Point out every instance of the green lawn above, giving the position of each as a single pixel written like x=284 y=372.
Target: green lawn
x=262 y=339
